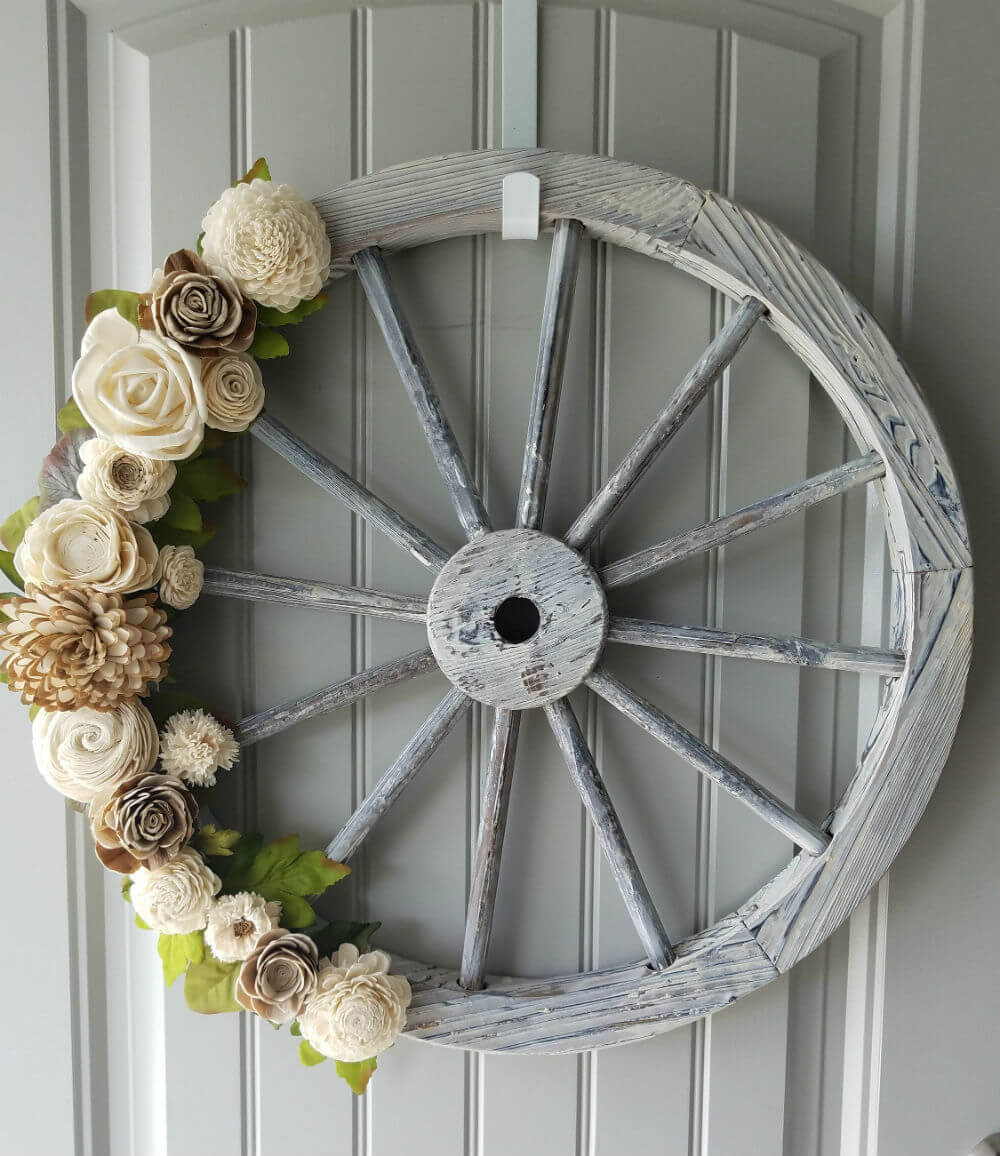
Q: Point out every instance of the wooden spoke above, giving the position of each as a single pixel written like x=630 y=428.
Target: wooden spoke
x=312 y=592
x=764 y=647
x=339 y=694
x=363 y=502
x=492 y=826
x=709 y=763
x=413 y=370
x=556 y=313
x=655 y=437
x=728 y=528
x=392 y=784
x=587 y=780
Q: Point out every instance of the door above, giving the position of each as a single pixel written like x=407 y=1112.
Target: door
x=865 y=131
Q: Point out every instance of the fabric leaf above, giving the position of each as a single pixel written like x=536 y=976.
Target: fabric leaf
x=295 y=1030
x=357 y=1074
x=183 y=513
x=268 y=315
x=282 y=871
x=207 y=480
x=7 y=568
x=309 y=1056
x=141 y=923
x=333 y=934
x=125 y=302
x=70 y=418
x=164 y=535
x=209 y=840
x=177 y=951
x=268 y=343
x=12 y=531
x=258 y=171
x=209 y=986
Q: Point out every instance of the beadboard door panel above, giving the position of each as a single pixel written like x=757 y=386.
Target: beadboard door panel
x=806 y=111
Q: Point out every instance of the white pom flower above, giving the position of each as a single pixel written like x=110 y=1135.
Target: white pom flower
x=177 y=897
x=87 y=545
x=236 y=923
x=358 y=1009
x=130 y=483
x=84 y=752
x=139 y=390
x=194 y=745
x=181 y=576
x=271 y=241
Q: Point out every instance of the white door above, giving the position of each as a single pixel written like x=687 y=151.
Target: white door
x=865 y=130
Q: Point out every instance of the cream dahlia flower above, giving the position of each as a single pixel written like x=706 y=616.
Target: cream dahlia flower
x=177 y=897
x=194 y=745
x=236 y=923
x=271 y=241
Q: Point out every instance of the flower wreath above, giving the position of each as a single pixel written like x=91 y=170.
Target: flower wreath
x=164 y=378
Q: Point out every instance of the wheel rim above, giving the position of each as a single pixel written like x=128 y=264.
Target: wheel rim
x=768 y=278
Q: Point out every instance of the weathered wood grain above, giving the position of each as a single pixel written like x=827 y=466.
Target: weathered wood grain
x=794 y=500
x=657 y=435
x=412 y=368
x=761 y=647
x=560 y=289
x=313 y=592
x=402 y=772
x=492 y=828
x=610 y=833
x=323 y=472
x=464 y=638
x=339 y=694
x=709 y=763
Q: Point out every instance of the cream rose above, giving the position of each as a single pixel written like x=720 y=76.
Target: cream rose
x=236 y=924
x=84 y=752
x=130 y=483
x=271 y=241
x=177 y=897
x=234 y=391
x=181 y=576
x=139 y=390
x=87 y=545
x=358 y=1009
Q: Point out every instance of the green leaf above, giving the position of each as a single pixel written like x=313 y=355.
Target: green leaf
x=209 y=986
x=309 y=1056
x=268 y=315
x=209 y=840
x=3 y=677
x=70 y=418
x=200 y=244
x=329 y=937
x=125 y=302
x=257 y=171
x=207 y=480
x=281 y=871
x=33 y=711
x=7 y=567
x=12 y=531
x=164 y=535
x=357 y=1074
x=183 y=513
x=177 y=951
x=142 y=924
x=127 y=888
x=215 y=439
x=295 y=1029
x=268 y=343
x=164 y=703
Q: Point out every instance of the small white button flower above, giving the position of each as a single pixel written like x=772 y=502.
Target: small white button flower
x=236 y=923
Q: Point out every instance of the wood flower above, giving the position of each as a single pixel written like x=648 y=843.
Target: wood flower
x=144 y=822
x=278 y=976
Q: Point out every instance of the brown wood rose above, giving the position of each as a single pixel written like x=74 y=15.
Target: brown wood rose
x=768 y=281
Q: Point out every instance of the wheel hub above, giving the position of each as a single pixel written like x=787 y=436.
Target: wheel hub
x=517 y=619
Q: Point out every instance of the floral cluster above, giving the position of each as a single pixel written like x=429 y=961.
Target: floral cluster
x=104 y=556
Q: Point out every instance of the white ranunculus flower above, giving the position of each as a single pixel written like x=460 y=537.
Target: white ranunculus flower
x=194 y=745
x=85 y=752
x=181 y=576
x=234 y=391
x=358 y=1009
x=177 y=897
x=139 y=390
x=236 y=923
x=130 y=483
x=87 y=545
x=271 y=241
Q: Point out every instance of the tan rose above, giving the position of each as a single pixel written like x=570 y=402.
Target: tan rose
x=279 y=976
x=234 y=391
x=85 y=752
x=139 y=390
x=87 y=545
x=144 y=822
x=177 y=897
x=130 y=483
x=358 y=1009
x=181 y=576
x=203 y=311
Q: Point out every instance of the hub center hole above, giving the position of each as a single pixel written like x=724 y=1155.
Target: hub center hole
x=516 y=619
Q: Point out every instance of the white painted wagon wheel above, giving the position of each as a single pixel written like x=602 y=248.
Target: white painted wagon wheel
x=517 y=619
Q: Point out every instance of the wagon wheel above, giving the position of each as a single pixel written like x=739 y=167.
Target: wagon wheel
x=517 y=619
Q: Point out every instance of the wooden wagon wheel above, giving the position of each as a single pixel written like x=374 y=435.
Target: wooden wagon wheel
x=517 y=619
